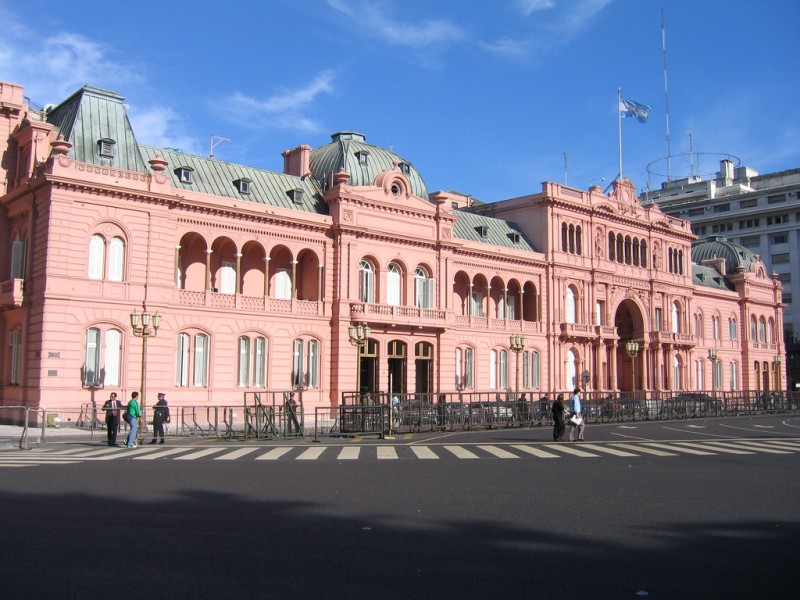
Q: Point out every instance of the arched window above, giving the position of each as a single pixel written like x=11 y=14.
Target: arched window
x=770 y=332
x=643 y=254
x=366 y=290
x=97 y=258
x=569 y=305
x=283 y=283
x=753 y=329
x=305 y=363
x=393 y=286
x=564 y=238
x=116 y=259
x=733 y=329
x=612 y=247
x=676 y=373
x=734 y=376
x=252 y=362
x=15 y=345
x=191 y=360
x=102 y=357
x=578 y=241
x=536 y=371
x=762 y=330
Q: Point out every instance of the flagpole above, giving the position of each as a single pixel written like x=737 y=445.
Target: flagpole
x=619 y=124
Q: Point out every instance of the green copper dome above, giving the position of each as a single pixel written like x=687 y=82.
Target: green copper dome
x=720 y=247
x=350 y=152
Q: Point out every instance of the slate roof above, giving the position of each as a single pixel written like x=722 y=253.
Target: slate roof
x=211 y=176
x=709 y=277
x=488 y=230
x=90 y=115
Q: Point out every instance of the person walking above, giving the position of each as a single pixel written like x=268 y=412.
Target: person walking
x=160 y=416
x=112 y=407
x=132 y=415
x=575 y=416
x=558 y=418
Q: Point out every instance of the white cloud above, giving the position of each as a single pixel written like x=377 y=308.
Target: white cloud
x=428 y=37
x=512 y=49
x=285 y=110
x=161 y=126
x=526 y=7
x=54 y=66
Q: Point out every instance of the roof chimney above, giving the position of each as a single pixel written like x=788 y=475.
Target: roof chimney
x=296 y=161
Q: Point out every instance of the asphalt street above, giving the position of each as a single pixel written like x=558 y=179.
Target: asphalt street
x=685 y=509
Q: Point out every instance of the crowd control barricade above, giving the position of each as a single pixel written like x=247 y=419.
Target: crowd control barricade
x=352 y=420
x=273 y=414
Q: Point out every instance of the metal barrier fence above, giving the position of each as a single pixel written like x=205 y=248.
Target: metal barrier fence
x=354 y=420
x=270 y=415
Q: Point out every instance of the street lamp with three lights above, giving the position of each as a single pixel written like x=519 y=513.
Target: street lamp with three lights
x=144 y=330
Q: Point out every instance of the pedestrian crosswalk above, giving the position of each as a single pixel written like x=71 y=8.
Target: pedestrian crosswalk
x=58 y=454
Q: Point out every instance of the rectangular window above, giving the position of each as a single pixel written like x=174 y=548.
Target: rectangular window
x=297 y=364
x=477 y=304
x=536 y=370
x=753 y=241
x=779 y=238
x=18 y=260
x=182 y=360
x=748 y=203
x=503 y=369
x=696 y=212
x=91 y=361
x=283 y=284
x=244 y=362
x=227 y=284
x=722 y=208
x=201 y=361
x=599 y=310
x=313 y=364
x=260 y=363
x=781 y=258
x=493 y=369
x=15 y=342
x=776 y=199
x=469 y=368
x=116 y=259
x=657 y=319
x=526 y=370
x=112 y=358
x=734 y=383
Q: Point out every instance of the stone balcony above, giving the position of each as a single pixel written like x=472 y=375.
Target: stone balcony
x=11 y=293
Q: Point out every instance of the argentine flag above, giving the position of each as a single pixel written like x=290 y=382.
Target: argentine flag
x=629 y=108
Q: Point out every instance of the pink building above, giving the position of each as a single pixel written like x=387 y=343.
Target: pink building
x=258 y=276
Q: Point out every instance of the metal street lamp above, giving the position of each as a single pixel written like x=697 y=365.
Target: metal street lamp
x=632 y=347
x=778 y=361
x=517 y=346
x=145 y=330
x=712 y=356
x=359 y=335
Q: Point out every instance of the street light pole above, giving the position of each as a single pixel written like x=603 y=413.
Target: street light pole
x=778 y=361
x=712 y=356
x=632 y=348
x=144 y=331
x=358 y=334
x=517 y=343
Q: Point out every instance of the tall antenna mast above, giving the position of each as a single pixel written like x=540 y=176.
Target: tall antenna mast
x=215 y=141
x=666 y=93
x=566 y=167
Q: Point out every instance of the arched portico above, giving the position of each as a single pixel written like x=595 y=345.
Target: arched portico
x=630 y=369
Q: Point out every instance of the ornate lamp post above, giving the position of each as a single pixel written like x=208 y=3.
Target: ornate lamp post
x=632 y=348
x=144 y=330
x=712 y=356
x=359 y=335
x=517 y=346
x=778 y=361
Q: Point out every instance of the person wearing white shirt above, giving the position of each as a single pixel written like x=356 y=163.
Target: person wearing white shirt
x=575 y=417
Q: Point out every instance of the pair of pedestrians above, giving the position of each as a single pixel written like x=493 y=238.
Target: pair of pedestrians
x=574 y=414
x=133 y=416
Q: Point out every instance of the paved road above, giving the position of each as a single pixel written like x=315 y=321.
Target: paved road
x=698 y=514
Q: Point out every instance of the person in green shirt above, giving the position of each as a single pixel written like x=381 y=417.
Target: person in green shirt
x=131 y=416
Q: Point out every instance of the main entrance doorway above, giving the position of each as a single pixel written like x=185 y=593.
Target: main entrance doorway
x=630 y=361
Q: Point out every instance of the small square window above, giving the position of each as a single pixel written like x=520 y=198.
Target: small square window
x=243 y=185
x=362 y=156
x=184 y=174
x=297 y=195
x=405 y=168
x=106 y=147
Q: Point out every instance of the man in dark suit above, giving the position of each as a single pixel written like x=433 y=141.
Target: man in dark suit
x=112 y=407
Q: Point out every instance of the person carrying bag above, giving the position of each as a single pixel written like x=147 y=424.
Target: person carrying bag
x=575 y=417
x=132 y=415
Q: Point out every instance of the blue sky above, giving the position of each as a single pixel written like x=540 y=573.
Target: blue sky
x=482 y=97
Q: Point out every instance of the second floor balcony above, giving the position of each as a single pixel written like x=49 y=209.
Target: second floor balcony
x=11 y=293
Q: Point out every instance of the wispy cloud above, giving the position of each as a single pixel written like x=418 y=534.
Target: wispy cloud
x=56 y=65
x=526 y=7
x=554 y=25
x=162 y=127
x=376 y=20
x=284 y=110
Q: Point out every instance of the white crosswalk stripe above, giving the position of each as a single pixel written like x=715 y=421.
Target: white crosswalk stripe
x=534 y=450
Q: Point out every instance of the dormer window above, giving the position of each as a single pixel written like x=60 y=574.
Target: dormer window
x=106 y=147
x=297 y=195
x=405 y=168
x=482 y=230
x=184 y=174
x=243 y=185
x=362 y=156
x=514 y=237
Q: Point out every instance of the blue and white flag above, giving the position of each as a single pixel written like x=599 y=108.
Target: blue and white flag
x=629 y=108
